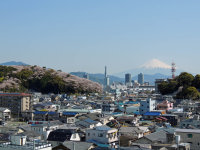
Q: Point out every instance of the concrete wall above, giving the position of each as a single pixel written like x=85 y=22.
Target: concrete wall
x=192 y=138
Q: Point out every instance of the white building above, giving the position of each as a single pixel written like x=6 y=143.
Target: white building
x=147 y=105
x=45 y=128
x=102 y=134
x=5 y=113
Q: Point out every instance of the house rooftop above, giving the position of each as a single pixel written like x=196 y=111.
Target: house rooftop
x=27 y=146
x=188 y=130
x=103 y=128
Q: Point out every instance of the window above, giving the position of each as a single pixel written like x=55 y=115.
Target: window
x=100 y=134
x=189 y=135
x=88 y=134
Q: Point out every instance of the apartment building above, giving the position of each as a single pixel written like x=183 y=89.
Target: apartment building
x=16 y=102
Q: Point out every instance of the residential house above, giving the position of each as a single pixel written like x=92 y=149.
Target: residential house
x=103 y=135
x=152 y=115
x=68 y=117
x=126 y=119
x=46 y=115
x=165 y=105
x=108 y=107
x=172 y=119
x=45 y=127
x=156 y=137
x=69 y=145
x=133 y=132
x=191 y=123
x=88 y=123
x=19 y=142
x=59 y=136
x=5 y=114
x=191 y=136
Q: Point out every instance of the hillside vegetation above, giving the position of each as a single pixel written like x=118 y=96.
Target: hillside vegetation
x=35 y=78
x=186 y=86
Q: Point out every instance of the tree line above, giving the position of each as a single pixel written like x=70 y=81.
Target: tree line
x=184 y=86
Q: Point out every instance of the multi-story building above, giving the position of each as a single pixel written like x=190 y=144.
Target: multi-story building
x=16 y=102
x=141 y=78
x=102 y=134
x=128 y=79
x=147 y=105
x=86 y=76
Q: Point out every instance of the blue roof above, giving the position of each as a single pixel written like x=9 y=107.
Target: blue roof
x=98 y=143
x=152 y=114
x=116 y=113
x=40 y=112
x=70 y=113
x=51 y=113
x=119 y=103
x=137 y=113
x=89 y=120
x=132 y=102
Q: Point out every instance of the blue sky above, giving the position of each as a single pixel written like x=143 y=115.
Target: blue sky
x=86 y=35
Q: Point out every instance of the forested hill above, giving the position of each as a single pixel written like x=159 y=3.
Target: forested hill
x=41 y=79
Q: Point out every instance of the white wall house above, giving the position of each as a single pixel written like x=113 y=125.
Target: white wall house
x=44 y=129
x=5 y=113
x=102 y=134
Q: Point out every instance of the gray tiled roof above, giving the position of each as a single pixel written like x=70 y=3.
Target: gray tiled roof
x=160 y=136
x=77 y=145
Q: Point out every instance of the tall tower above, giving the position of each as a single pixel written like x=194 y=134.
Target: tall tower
x=173 y=70
x=106 y=78
x=105 y=72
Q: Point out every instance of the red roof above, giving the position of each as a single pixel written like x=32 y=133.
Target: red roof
x=163 y=118
x=159 y=119
x=15 y=94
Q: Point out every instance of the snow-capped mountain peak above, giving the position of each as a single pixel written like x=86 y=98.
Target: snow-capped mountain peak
x=155 y=63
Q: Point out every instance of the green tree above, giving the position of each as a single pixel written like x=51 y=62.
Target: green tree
x=188 y=93
x=185 y=79
x=192 y=93
x=163 y=88
x=24 y=74
x=168 y=87
x=196 y=81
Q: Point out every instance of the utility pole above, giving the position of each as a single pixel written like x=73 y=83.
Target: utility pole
x=73 y=145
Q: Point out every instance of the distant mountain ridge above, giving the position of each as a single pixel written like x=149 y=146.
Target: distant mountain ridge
x=100 y=77
x=14 y=63
x=151 y=67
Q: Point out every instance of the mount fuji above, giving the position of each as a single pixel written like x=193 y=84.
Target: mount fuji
x=151 y=67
